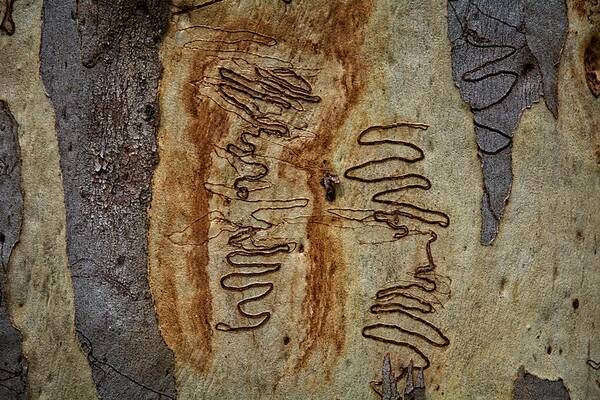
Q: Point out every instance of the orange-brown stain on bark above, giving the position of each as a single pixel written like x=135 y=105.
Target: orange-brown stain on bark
x=585 y=8
x=184 y=303
x=326 y=36
x=581 y=7
x=323 y=308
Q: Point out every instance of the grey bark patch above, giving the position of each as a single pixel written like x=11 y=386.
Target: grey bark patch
x=388 y=388
x=100 y=66
x=13 y=369
x=414 y=387
x=505 y=56
x=529 y=387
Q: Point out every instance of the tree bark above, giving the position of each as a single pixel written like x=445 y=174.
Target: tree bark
x=276 y=199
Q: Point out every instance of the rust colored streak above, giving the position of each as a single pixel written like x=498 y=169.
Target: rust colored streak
x=185 y=309
x=323 y=307
x=580 y=7
x=342 y=29
x=345 y=35
x=586 y=9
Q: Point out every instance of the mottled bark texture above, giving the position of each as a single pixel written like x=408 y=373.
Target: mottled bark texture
x=100 y=66
x=505 y=55
x=12 y=365
x=529 y=387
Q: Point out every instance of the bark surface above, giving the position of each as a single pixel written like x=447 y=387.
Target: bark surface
x=101 y=70
x=13 y=369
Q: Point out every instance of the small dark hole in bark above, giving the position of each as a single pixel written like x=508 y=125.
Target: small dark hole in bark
x=2 y=237
x=330 y=194
x=286 y=340
x=330 y=182
x=528 y=68
x=575 y=304
x=141 y=8
x=549 y=350
x=149 y=112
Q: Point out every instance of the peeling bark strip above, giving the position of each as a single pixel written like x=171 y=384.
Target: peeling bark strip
x=12 y=365
x=505 y=55
x=529 y=387
x=386 y=389
x=414 y=386
x=100 y=66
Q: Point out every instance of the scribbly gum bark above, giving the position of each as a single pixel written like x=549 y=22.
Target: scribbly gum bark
x=256 y=258
x=268 y=114
x=294 y=199
x=260 y=151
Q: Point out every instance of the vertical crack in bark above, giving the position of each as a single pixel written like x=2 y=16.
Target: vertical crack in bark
x=100 y=66
x=13 y=369
x=505 y=56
